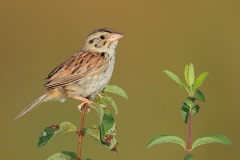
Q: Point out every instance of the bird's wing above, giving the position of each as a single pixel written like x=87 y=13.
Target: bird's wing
x=75 y=68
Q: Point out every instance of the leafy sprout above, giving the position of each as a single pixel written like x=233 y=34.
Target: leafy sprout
x=188 y=109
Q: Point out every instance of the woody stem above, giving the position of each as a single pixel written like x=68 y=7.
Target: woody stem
x=80 y=133
x=189 y=145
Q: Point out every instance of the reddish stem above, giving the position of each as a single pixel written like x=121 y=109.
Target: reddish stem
x=189 y=145
x=80 y=133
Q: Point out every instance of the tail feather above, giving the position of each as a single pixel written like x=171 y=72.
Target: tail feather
x=32 y=105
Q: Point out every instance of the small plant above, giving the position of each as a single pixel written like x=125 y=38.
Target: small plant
x=188 y=110
x=104 y=133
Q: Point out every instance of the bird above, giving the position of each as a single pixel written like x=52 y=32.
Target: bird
x=83 y=75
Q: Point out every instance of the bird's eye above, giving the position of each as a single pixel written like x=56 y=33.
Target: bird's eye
x=102 y=37
x=102 y=54
x=90 y=42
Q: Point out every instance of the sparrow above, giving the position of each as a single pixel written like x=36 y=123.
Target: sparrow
x=83 y=75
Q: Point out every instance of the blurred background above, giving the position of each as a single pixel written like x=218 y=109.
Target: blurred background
x=36 y=36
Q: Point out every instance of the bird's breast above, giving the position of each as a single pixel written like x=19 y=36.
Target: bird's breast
x=92 y=84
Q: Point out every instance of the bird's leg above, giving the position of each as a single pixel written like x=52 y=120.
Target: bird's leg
x=85 y=100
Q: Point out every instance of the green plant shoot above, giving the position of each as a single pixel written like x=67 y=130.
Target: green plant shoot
x=188 y=110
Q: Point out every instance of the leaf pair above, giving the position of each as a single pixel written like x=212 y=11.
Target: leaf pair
x=160 y=139
x=107 y=127
x=190 y=77
x=105 y=133
x=189 y=74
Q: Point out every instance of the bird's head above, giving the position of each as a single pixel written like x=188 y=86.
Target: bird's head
x=102 y=40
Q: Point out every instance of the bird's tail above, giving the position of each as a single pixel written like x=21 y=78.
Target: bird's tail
x=32 y=105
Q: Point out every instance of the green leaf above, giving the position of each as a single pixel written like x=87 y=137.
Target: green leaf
x=105 y=134
x=176 y=79
x=166 y=139
x=200 y=79
x=186 y=70
x=189 y=102
x=94 y=132
x=191 y=76
x=107 y=127
x=186 y=107
x=51 y=131
x=64 y=155
x=195 y=109
x=115 y=89
x=184 y=112
x=211 y=139
x=183 y=86
x=46 y=135
x=98 y=108
x=188 y=157
x=173 y=76
x=111 y=102
x=200 y=96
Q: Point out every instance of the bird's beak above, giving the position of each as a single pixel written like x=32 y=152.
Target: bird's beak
x=115 y=36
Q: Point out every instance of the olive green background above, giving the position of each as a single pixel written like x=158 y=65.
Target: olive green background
x=37 y=35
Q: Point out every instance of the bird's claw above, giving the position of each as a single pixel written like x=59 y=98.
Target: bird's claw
x=83 y=106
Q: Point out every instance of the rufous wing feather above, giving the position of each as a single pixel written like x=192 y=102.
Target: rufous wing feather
x=80 y=65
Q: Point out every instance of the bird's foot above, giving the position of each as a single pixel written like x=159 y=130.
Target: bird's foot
x=84 y=104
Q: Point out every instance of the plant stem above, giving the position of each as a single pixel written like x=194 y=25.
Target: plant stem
x=189 y=145
x=80 y=133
